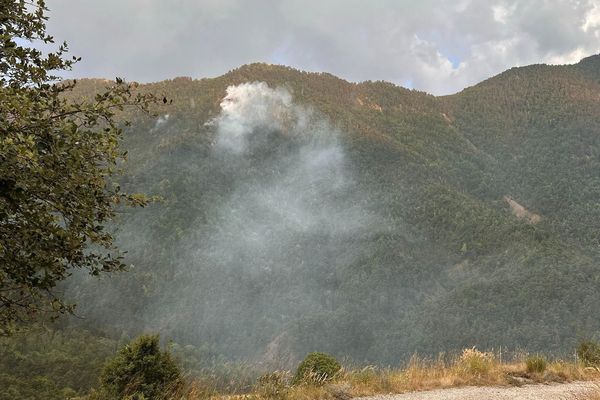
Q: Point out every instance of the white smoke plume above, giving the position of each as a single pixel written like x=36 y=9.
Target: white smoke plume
x=160 y=121
x=273 y=211
x=297 y=182
x=249 y=107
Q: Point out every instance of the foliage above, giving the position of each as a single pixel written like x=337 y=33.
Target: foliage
x=418 y=375
x=141 y=368
x=213 y=370
x=589 y=353
x=57 y=157
x=448 y=266
x=47 y=364
x=273 y=385
x=536 y=364
x=475 y=362
x=317 y=368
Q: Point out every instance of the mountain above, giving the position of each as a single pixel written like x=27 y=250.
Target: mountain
x=307 y=213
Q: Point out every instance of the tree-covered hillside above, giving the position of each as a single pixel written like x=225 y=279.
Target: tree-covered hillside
x=364 y=220
x=443 y=264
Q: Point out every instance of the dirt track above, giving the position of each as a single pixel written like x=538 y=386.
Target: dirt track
x=565 y=391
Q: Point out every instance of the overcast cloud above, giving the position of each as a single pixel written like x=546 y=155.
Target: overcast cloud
x=432 y=45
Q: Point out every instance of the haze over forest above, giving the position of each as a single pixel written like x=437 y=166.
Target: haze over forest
x=301 y=211
x=296 y=209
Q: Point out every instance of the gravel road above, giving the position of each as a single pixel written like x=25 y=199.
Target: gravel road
x=564 y=391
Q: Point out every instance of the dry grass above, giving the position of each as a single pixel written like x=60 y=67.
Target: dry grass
x=472 y=367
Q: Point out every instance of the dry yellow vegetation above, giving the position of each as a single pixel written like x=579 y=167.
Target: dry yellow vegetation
x=471 y=368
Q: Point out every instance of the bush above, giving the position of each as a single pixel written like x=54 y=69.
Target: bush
x=475 y=362
x=536 y=364
x=317 y=368
x=141 y=369
x=589 y=353
x=273 y=385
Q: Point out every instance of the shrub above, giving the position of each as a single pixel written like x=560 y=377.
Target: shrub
x=536 y=364
x=589 y=353
x=140 y=369
x=475 y=362
x=317 y=368
x=273 y=385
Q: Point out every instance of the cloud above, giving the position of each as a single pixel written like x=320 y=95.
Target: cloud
x=439 y=46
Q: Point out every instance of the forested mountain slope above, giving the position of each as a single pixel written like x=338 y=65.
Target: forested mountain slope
x=402 y=240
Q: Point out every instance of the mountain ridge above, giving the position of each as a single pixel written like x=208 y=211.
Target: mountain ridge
x=453 y=267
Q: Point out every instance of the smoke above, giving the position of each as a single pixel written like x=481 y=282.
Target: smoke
x=296 y=170
x=293 y=181
x=262 y=220
x=253 y=109
x=286 y=213
x=160 y=121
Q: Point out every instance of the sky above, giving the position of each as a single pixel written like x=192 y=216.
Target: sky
x=437 y=46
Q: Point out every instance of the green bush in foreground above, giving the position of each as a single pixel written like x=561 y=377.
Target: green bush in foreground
x=317 y=368
x=140 y=369
x=589 y=353
x=536 y=364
